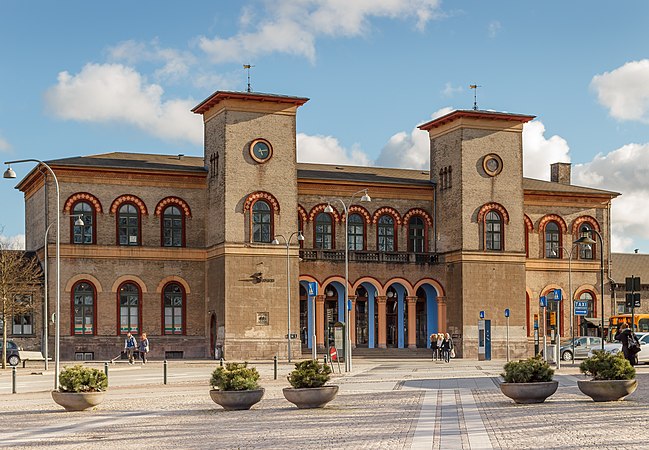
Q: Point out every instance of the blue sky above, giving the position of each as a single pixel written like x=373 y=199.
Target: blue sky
x=79 y=78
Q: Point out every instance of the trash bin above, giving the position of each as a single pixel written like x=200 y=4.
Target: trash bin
x=551 y=356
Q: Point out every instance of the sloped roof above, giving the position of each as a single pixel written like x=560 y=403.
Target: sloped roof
x=627 y=264
x=531 y=184
x=142 y=161
x=369 y=174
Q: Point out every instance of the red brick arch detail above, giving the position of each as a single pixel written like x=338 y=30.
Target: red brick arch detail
x=82 y=196
x=357 y=209
x=553 y=218
x=493 y=206
x=320 y=208
x=162 y=204
x=579 y=220
x=528 y=223
x=261 y=195
x=417 y=212
x=128 y=199
x=389 y=211
x=302 y=213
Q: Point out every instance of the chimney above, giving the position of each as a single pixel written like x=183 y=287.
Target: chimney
x=560 y=173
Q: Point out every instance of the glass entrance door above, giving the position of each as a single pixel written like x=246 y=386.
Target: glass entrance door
x=362 y=332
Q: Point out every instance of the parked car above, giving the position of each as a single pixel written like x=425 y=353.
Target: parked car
x=583 y=345
x=13 y=355
x=616 y=347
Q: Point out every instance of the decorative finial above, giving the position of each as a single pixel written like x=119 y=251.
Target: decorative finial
x=475 y=95
x=248 y=67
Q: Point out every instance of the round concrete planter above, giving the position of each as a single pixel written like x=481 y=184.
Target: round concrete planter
x=607 y=390
x=78 y=401
x=305 y=398
x=529 y=392
x=236 y=400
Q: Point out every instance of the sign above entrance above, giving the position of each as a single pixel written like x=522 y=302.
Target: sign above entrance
x=312 y=289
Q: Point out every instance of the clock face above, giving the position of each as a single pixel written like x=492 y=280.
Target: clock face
x=260 y=150
x=492 y=164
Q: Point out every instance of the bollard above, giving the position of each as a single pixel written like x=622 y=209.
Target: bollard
x=221 y=362
x=324 y=360
x=13 y=380
x=164 y=367
x=106 y=368
x=275 y=366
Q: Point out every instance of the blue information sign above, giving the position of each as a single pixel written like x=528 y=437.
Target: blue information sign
x=543 y=302
x=482 y=314
x=507 y=312
x=312 y=289
x=581 y=308
x=557 y=295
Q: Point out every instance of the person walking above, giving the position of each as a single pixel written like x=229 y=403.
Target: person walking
x=144 y=347
x=130 y=344
x=629 y=343
x=440 y=339
x=433 y=345
x=447 y=346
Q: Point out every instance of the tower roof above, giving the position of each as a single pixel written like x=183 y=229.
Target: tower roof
x=219 y=96
x=474 y=114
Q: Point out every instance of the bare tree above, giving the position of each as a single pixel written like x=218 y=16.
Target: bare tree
x=20 y=276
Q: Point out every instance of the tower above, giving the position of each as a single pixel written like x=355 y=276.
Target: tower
x=250 y=153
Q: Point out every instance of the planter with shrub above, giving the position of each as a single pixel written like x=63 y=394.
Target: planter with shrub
x=613 y=377
x=308 y=388
x=528 y=380
x=80 y=388
x=236 y=386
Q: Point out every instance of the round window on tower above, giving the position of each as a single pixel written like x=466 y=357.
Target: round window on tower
x=492 y=164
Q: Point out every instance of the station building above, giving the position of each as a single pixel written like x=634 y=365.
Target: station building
x=181 y=247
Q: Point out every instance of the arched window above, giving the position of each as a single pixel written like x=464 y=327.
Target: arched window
x=128 y=225
x=385 y=234
x=83 y=299
x=173 y=227
x=323 y=231
x=588 y=297
x=83 y=234
x=129 y=308
x=262 y=221
x=493 y=231
x=586 y=251
x=174 y=305
x=355 y=232
x=416 y=235
x=552 y=240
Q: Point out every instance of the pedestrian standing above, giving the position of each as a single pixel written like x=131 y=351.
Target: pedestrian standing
x=447 y=345
x=628 y=340
x=144 y=347
x=440 y=339
x=130 y=344
x=433 y=345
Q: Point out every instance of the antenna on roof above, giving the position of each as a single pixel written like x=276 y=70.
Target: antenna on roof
x=475 y=95
x=248 y=67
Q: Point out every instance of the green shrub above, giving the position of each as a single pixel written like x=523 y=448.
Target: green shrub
x=607 y=366
x=235 y=377
x=82 y=379
x=309 y=374
x=530 y=370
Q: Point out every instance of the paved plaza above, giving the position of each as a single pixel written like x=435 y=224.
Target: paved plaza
x=382 y=404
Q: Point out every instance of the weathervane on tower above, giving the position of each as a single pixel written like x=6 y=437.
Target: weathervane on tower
x=248 y=67
x=475 y=95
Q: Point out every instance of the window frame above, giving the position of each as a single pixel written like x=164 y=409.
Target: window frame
x=593 y=247
x=21 y=298
x=139 y=225
x=547 y=252
x=93 y=217
x=73 y=309
x=119 y=309
x=183 y=310
x=361 y=223
x=424 y=236
x=270 y=224
x=500 y=233
x=394 y=233
x=332 y=232
x=163 y=228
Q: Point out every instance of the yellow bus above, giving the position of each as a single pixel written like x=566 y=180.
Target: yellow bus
x=641 y=324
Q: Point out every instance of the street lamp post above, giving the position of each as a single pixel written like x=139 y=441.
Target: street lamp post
x=585 y=239
x=9 y=173
x=329 y=209
x=288 y=283
x=572 y=331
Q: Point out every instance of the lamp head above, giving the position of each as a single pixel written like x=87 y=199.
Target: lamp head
x=328 y=209
x=300 y=236
x=9 y=173
x=585 y=238
x=366 y=197
x=275 y=241
x=79 y=222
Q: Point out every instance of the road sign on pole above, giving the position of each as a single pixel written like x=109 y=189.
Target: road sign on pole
x=482 y=314
x=543 y=301
x=581 y=308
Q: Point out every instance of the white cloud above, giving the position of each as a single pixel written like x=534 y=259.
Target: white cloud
x=115 y=93
x=4 y=145
x=625 y=91
x=493 y=28
x=539 y=152
x=16 y=242
x=176 y=64
x=450 y=90
x=327 y=150
x=293 y=26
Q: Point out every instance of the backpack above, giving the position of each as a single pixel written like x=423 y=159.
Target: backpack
x=632 y=344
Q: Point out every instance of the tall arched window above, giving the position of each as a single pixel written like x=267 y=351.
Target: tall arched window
x=552 y=240
x=355 y=232
x=172 y=227
x=493 y=231
x=128 y=225
x=83 y=234
x=323 y=231
x=83 y=299
x=262 y=221
x=174 y=304
x=385 y=234
x=586 y=251
x=416 y=235
x=129 y=308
